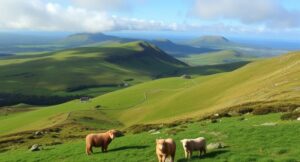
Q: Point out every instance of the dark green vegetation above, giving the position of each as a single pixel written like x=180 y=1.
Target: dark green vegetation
x=246 y=138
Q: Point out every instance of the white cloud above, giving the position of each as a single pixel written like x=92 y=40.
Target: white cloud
x=40 y=15
x=102 y=5
x=268 y=12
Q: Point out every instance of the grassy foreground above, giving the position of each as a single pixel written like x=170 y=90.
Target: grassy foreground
x=248 y=138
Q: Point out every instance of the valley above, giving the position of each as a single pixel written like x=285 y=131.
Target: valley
x=139 y=88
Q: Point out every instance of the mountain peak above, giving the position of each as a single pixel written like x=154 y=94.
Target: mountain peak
x=210 y=41
x=214 y=38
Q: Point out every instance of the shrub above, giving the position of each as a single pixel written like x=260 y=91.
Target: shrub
x=98 y=106
x=290 y=116
x=214 y=121
x=128 y=80
x=262 y=111
x=174 y=131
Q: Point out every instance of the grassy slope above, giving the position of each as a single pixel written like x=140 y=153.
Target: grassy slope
x=247 y=140
x=214 y=58
x=176 y=98
x=58 y=71
x=266 y=80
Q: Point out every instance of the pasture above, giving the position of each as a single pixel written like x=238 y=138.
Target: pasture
x=246 y=138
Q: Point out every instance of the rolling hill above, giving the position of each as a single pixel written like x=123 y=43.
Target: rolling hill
x=68 y=72
x=270 y=85
x=81 y=39
x=271 y=81
x=96 y=39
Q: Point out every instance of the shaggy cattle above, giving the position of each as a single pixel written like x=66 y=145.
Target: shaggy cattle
x=99 y=140
x=190 y=145
x=165 y=148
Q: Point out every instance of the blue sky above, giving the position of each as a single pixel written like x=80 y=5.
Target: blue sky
x=255 y=18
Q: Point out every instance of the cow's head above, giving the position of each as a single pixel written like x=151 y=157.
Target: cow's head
x=111 y=134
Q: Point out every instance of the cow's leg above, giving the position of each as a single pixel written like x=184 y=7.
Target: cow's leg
x=88 y=149
x=186 y=154
x=102 y=149
x=172 y=158
x=164 y=157
x=159 y=157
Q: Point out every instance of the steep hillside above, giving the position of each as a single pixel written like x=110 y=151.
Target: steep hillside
x=273 y=81
x=270 y=85
x=71 y=70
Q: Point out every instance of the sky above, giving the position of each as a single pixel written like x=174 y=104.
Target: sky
x=255 y=18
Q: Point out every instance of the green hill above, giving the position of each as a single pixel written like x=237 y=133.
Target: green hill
x=96 y=39
x=271 y=81
x=70 y=71
x=81 y=39
x=269 y=85
x=219 y=57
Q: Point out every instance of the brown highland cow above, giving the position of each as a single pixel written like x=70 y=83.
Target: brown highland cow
x=165 y=148
x=99 y=140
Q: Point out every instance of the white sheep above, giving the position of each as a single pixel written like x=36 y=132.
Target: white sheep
x=190 y=145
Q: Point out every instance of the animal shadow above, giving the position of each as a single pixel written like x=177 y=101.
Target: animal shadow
x=128 y=148
x=207 y=155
